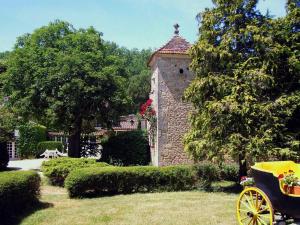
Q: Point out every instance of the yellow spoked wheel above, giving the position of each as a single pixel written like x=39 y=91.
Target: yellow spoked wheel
x=254 y=208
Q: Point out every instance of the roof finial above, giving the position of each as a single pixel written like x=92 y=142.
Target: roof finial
x=176 y=26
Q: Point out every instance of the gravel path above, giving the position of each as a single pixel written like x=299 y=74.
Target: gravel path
x=26 y=164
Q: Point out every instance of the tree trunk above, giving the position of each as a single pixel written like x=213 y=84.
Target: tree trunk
x=74 y=147
x=242 y=166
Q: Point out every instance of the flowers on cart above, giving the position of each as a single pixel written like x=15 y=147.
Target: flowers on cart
x=247 y=181
x=289 y=178
x=290 y=182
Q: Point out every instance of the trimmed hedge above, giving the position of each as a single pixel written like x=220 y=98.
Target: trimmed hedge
x=207 y=173
x=230 y=172
x=4 y=157
x=18 y=190
x=127 y=149
x=50 y=145
x=123 y=180
x=58 y=169
x=30 y=135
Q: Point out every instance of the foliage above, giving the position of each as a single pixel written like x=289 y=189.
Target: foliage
x=147 y=112
x=50 y=145
x=124 y=180
x=132 y=65
x=229 y=172
x=290 y=179
x=30 y=135
x=207 y=173
x=4 y=157
x=58 y=169
x=7 y=118
x=127 y=148
x=61 y=77
x=247 y=181
x=18 y=190
x=8 y=122
x=246 y=91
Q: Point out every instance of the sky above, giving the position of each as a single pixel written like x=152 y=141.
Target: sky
x=129 y=23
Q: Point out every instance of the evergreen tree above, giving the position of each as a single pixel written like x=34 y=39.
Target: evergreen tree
x=246 y=91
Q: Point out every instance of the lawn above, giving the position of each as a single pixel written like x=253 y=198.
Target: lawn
x=173 y=208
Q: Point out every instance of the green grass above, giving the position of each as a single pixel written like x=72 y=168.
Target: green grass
x=169 y=208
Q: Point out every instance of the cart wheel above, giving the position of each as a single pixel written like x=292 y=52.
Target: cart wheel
x=254 y=208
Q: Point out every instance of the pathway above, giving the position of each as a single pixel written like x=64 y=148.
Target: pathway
x=26 y=164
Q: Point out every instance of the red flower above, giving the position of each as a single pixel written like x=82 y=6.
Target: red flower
x=149 y=102
x=280 y=176
x=243 y=178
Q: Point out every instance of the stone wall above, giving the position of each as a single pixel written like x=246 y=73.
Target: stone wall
x=170 y=78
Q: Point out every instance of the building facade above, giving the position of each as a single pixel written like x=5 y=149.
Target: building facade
x=170 y=77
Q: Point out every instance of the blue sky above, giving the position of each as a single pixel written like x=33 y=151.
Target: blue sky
x=129 y=23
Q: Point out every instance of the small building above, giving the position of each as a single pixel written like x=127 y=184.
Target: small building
x=12 y=150
x=170 y=77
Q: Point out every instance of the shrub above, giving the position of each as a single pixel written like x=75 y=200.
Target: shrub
x=124 y=180
x=230 y=172
x=30 y=135
x=127 y=148
x=58 y=169
x=4 y=157
x=207 y=173
x=50 y=145
x=18 y=190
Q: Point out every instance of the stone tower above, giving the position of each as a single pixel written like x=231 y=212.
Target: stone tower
x=170 y=77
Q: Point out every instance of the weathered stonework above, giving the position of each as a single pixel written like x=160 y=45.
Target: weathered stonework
x=171 y=76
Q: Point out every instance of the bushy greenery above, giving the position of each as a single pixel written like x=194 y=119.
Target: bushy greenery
x=50 y=145
x=18 y=190
x=64 y=77
x=30 y=135
x=127 y=148
x=58 y=169
x=207 y=172
x=4 y=157
x=124 y=180
x=229 y=172
x=246 y=91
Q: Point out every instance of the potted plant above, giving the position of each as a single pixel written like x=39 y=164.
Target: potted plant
x=290 y=182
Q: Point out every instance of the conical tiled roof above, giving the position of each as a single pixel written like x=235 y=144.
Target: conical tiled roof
x=177 y=45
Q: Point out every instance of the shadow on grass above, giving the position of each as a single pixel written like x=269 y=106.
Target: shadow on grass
x=18 y=216
x=12 y=169
x=224 y=186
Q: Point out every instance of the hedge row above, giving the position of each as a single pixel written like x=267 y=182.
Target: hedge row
x=18 y=190
x=123 y=180
x=58 y=169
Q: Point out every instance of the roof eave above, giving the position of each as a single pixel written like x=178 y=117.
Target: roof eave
x=166 y=54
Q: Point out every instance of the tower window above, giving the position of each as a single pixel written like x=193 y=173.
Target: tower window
x=180 y=70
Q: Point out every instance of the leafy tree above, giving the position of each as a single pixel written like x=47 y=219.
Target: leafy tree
x=7 y=118
x=139 y=83
x=246 y=91
x=132 y=65
x=61 y=77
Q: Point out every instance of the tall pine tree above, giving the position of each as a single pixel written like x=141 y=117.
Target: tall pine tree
x=246 y=91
